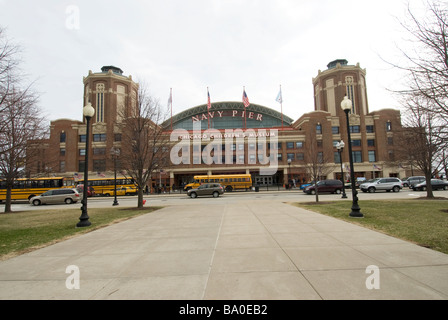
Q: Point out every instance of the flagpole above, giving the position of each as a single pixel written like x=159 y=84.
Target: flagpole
x=171 y=102
x=208 y=111
x=244 y=110
x=281 y=104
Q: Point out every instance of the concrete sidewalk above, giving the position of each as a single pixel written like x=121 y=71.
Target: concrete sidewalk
x=239 y=250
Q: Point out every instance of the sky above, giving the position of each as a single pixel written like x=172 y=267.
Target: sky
x=192 y=45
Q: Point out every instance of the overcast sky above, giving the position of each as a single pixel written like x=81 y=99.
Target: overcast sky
x=189 y=45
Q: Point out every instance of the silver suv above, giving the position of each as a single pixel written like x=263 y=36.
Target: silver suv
x=63 y=195
x=207 y=189
x=387 y=184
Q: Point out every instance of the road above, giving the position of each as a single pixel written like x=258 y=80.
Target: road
x=233 y=197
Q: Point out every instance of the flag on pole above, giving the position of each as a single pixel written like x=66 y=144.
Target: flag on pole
x=209 y=105
x=170 y=102
x=245 y=99
x=279 y=98
x=376 y=167
x=170 y=99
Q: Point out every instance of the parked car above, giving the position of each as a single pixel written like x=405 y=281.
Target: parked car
x=325 y=186
x=63 y=195
x=436 y=184
x=409 y=182
x=207 y=189
x=387 y=184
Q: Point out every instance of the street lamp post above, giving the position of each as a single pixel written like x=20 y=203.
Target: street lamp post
x=289 y=173
x=340 y=146
x=115 y=153
x=88 y=112
x=346 y=105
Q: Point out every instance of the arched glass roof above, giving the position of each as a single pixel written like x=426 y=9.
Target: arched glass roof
x=228 y=115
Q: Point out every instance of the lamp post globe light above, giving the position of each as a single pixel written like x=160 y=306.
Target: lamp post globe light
x=115 y=152
x=88 y=111
x=346 y=105
x=340 y=146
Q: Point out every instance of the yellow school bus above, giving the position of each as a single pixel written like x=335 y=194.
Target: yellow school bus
x=230 y=182
x=26 y=188
x=106 y=186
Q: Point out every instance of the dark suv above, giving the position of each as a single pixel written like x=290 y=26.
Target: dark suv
x=325 y=186
x=207 y=189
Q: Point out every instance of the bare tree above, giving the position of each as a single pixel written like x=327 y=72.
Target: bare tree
x=426 y=64
x=421 y=137
x=21 y=123
x=20 y=119
x=318 y=163
x=144 y=145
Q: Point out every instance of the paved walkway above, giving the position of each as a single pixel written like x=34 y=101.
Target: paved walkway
x=229 y=250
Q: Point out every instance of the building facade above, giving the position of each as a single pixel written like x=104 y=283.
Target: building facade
x=243 y=139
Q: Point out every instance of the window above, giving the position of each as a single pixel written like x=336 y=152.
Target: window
x=82 y=152
x=117 y=137
x=320 y=157
x=370 y=129
x=62 y=152
x=299 y=144
x=62 y=137
x=81 y=165
x=357 y=156
x=61 y=166
x=300 y=156
x=370 y=143
x=279 y=157
x=252 y=159
x=99 y=137
x=337 y=157
x=390 y=141
x=372 y=157
x=318 y=128
x=355 y=129
x=319 y=143
x=388 y=126
x=289 y=145
x=99 y=165
x=241 y=147
x=99 y=151
x=335 y=130
x=100 y=102
x=82 y=138
x=350 y=92
x=290 y=156
x=356 y=143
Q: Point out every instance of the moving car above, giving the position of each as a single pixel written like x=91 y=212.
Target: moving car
x=325 y=186
x=387 y=184
x=207 y=189
x=436 y=184
x=63 y=195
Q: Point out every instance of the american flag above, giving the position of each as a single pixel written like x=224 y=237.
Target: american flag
x=209 y=105
x=245 y=99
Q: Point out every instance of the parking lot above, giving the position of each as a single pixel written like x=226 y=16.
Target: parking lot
x=293 y=195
